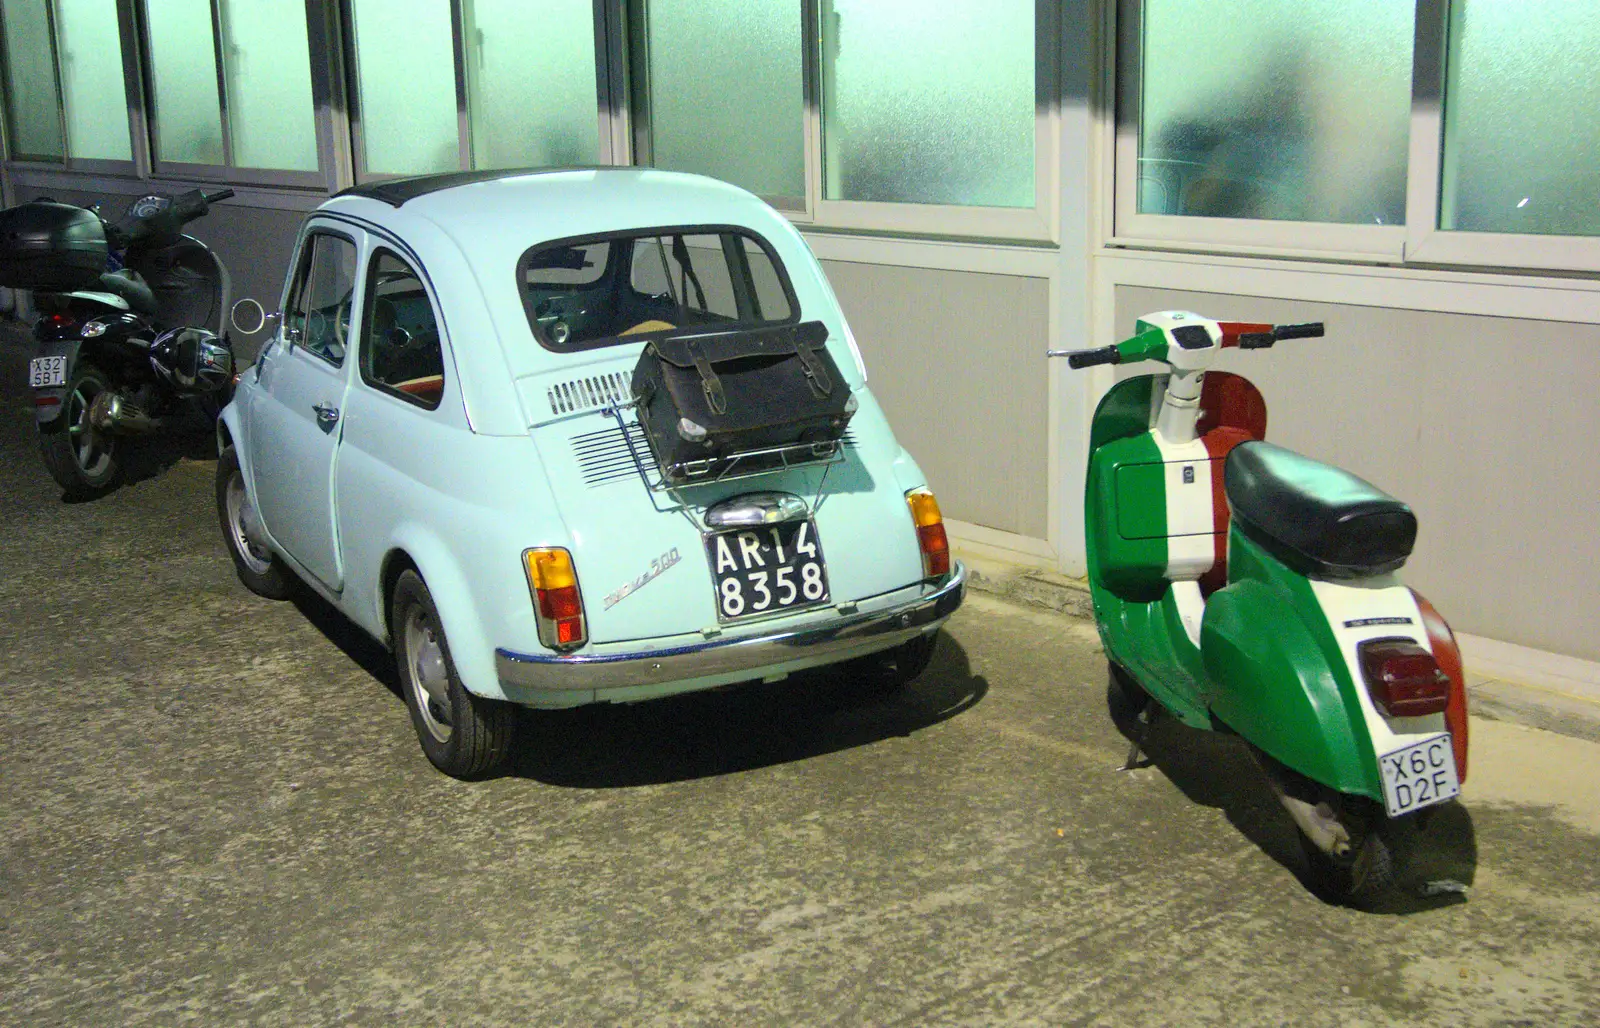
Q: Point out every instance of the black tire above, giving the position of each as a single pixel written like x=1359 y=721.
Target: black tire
x=463 y=735
x=892 y=670
x=261 y=570
x=1125 y=698
x=1366 y=872
x=81 y=459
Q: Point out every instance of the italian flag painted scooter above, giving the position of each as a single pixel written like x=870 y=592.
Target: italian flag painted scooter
x=1246 y=588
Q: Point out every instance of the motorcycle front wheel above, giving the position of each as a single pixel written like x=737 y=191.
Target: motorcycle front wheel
x=81 y=458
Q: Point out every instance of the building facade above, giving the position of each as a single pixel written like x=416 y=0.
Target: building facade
x=984 y=180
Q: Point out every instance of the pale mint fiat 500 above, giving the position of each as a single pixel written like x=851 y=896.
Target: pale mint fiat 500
x=441 y=438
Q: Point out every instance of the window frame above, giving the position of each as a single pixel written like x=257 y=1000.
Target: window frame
x=1420 y=241
x=305 y=254
x=132 y=91
x=1037 y=224
x=227 y=171
x=609 y=88
x=647 y=231
x=368 y=295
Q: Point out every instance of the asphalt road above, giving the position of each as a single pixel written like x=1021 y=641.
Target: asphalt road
x=213 y=810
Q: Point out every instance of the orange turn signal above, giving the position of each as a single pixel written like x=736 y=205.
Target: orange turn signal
x=557 y=603
x=931 y=539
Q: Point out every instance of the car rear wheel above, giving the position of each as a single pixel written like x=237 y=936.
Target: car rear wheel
x=893 y=670
x=463 y=735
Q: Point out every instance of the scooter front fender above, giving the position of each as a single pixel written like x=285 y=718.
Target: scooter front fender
x=1278 y=683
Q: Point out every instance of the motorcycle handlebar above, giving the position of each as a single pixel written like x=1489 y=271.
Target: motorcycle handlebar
x=1309 y=330
x=221 y=194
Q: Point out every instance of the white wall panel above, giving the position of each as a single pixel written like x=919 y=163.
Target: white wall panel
x=957 y=360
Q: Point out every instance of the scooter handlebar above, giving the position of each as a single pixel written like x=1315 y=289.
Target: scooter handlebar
x=221 y=194
x=1089 y=358
x=1309 y=330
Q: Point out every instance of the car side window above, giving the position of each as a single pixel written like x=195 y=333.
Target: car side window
x=401 y=352
x=319 y=314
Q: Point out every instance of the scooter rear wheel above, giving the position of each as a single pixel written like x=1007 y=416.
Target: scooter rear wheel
x=1364 y=872
x=1357 y=856
x=80 y=457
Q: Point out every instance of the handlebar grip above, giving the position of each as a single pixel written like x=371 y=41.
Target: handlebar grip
x=221 y=194
x=1256 y=340
x=1310 y=330
x=1088 y=358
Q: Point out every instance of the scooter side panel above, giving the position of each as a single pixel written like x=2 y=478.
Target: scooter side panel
x=1280 y=679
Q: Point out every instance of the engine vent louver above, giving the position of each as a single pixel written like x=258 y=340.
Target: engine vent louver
x=588 y=393
x=604 y=457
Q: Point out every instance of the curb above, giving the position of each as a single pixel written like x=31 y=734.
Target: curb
x=1533 y=706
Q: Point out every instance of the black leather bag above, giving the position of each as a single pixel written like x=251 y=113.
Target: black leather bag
x=709 y=396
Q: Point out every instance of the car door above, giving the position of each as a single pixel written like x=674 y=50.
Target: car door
x=295 y=422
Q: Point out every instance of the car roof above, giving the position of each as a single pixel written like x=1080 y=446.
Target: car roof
x=397 y=191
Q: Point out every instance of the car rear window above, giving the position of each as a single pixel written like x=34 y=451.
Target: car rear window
x=623 y=287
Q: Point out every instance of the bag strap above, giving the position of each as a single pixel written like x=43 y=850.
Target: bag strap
x=716 y=399
x=816 y=372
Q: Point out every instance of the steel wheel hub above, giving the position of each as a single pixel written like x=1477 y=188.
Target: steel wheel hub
x=429 y=678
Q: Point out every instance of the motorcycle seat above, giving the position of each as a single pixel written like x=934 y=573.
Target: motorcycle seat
x=128 y=285
x=1320 y=520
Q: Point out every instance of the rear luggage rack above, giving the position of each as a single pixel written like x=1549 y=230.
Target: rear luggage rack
x=659 y=477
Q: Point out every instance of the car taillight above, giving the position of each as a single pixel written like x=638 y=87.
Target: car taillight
x=1403 y=678
x=557 y=604
x=931 y=539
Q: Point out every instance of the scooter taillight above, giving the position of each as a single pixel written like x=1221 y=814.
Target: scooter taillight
x=1403 y=679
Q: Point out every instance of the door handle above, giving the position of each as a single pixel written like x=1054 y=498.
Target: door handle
x=327 y=414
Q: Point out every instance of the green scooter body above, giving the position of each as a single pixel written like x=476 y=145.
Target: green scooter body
x=1268 y=666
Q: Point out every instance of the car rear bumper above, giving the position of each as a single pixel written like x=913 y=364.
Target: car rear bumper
x=724 y=660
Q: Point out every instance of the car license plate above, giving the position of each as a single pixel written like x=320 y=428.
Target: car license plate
x=1419 y=775
x=761 y=570
x=44 y=372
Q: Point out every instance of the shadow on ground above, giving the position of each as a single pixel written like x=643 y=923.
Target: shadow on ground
x=698 y=735
x=1216 y=769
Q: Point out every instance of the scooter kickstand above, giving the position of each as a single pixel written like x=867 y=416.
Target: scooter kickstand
x=1136 y=758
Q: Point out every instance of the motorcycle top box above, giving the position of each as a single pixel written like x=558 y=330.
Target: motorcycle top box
x=51 y=247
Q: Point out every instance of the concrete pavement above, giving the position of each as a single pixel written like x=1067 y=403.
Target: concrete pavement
x=213 y=810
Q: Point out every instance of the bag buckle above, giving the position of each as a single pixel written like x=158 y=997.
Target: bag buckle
x=716 y=399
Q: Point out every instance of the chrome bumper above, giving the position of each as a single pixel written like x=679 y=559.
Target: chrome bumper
x=814 y=644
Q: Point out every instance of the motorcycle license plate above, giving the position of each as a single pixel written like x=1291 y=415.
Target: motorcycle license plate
x=770 y=568
x=1419 y=775
x=44 y=372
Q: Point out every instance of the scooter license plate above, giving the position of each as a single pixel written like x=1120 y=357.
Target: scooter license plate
x=1419 y=775
x=44 y=372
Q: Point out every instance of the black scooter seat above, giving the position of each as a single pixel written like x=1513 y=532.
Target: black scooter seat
x=1318 y=519
x=128 y=285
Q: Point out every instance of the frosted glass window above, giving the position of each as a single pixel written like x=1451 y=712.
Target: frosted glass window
x=1288 y=109
x=405 y=67
x=89 y=47
x=268 y=62
x=726 y=92
x=33 y=108
x=531 y=82
x=929 y=103
x=183 y=65
x=1521 y=131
